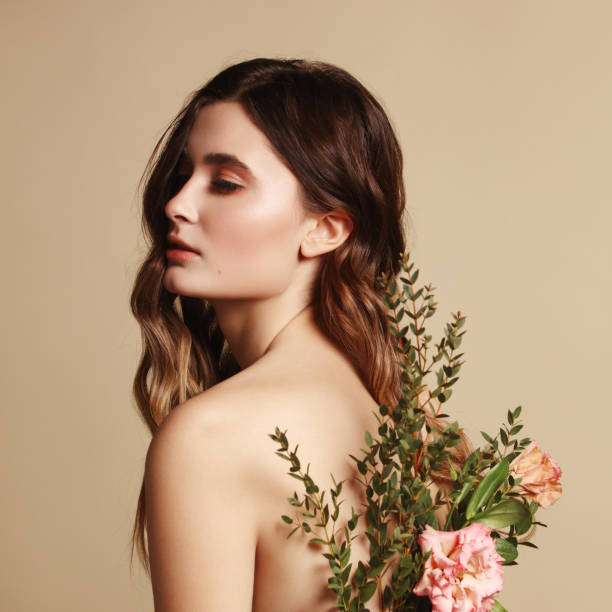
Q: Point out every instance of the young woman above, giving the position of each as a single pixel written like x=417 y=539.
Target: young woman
x=272 y=202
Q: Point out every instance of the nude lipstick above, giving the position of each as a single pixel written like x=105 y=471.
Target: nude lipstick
x=179 y=250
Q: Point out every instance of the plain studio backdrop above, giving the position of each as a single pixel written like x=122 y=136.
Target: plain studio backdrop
x=503 y=111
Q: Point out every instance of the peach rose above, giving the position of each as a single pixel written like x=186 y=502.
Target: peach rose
x=463 y=571
x=540 y=476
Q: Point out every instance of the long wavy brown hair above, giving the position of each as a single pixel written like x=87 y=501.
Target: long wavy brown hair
x=335 y=137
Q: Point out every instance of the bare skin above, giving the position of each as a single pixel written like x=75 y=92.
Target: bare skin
x=302 y=384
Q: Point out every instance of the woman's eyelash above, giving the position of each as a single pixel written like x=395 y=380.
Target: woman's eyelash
x=223 y=186
x=218 y=185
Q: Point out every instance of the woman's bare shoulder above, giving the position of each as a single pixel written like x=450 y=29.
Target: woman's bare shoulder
x=319 y=412
x=243 y=409
x=270 y=389
x=320 y=403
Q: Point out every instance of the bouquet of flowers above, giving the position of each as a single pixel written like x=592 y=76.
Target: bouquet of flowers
x=489 y=497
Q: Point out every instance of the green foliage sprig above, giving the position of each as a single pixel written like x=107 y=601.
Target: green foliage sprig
x=403 y=461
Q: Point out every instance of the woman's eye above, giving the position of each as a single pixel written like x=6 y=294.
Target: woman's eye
x=222 y=186
x=218 y=185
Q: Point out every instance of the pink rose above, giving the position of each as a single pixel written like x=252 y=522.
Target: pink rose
x=540 y=476
x=463 y=571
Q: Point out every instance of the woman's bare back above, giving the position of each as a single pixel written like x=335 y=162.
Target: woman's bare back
x=326 y=413
x=309 y=389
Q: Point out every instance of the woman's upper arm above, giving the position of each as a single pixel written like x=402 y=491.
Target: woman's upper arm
x=201 y=524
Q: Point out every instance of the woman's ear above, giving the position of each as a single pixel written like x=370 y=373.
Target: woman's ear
x=326 y=232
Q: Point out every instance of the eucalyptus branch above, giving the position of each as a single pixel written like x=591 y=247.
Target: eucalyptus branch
x=402 y=461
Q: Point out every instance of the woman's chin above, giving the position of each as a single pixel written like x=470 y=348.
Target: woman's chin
x=185 y=287
x=172 y=284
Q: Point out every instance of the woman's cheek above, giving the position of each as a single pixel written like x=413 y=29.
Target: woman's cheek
x=260 y=245
x=257 y=229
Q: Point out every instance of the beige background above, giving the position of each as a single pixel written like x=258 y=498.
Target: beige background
x=503 y=110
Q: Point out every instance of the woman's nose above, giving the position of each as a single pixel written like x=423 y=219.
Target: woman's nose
x=183 y=205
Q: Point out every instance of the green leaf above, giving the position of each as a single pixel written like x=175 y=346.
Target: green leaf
x=368 y=438
x=523 y=526
x=507 y=550
x=515 y=430
x=375 y=571
x=487 y=437
x=359 y=575
x=346 y=573
x=506 y=513
x=497 y=607
x=287 y=519
x=367 y=591
x=487 y=487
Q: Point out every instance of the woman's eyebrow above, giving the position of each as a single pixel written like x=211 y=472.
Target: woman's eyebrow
x=223 y=158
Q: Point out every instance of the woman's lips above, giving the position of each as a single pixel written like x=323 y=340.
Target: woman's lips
x=174 y=242
x=179 y=250
x=180 y=254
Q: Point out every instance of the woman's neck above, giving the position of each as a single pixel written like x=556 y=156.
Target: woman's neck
x=252 y=327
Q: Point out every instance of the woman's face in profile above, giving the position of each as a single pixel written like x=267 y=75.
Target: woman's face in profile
x=238 y=206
